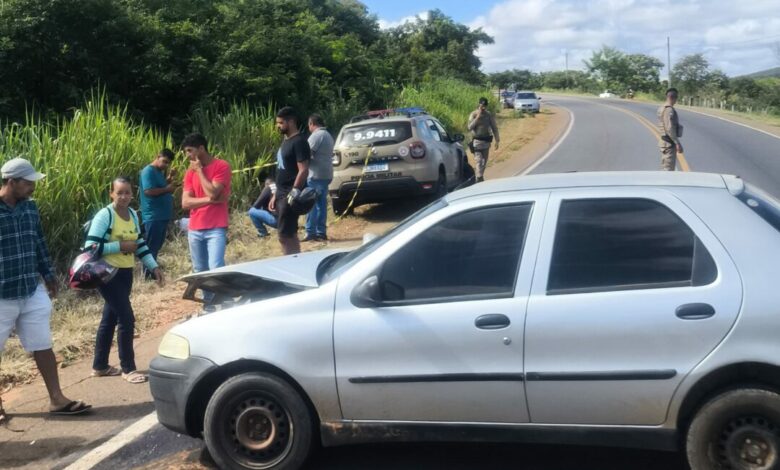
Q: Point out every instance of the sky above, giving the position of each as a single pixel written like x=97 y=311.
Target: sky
x=736 y=36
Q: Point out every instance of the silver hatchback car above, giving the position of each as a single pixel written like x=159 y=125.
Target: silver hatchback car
x=625 y=309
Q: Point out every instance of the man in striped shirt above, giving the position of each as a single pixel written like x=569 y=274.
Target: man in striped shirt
x=24 y=303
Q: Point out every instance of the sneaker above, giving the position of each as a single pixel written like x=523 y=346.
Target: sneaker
x=263 y=235
x=310 y=238
x=322 y=238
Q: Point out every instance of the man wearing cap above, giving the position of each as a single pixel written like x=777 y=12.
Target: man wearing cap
x=484 y=130
x=24 y=259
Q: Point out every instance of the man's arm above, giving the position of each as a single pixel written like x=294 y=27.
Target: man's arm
x=670 y=126
x=212 y=188
x=189 y=201
x=44 y=261
x=473 y=120
x=303 y=174
x=494 y=128
x=152 y=192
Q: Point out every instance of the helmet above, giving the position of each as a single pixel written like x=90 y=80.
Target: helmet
x=304 y=202
x=89 y=271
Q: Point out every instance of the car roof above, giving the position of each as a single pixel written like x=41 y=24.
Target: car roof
x=600 y=179
x=395 y=118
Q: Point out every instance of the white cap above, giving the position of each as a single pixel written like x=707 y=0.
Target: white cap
x=20 y=168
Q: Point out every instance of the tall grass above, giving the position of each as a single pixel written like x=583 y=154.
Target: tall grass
x=80 y=156
x=450 y=100
x=83 y=153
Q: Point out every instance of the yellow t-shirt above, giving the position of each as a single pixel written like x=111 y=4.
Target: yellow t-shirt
x=122 y=230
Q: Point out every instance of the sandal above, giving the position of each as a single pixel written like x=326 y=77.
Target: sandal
x=109 y=371
x=72 y=408
x=135 y=377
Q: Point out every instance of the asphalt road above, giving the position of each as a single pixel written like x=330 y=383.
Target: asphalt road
x=605 y=135
x=608 y=135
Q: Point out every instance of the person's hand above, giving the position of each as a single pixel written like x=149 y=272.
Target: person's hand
x=127 y=246
x=195 y=165
x=679 y=148
x=272 y=205
x=53 y=287
x=496 y=145
x=158 y=276
x=293 y=194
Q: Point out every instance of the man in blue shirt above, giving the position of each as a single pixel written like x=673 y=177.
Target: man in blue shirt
x=157 y=201
x=24 y=260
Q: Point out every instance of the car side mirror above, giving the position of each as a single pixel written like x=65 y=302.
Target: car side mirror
x=366 y=294
x=458 y=138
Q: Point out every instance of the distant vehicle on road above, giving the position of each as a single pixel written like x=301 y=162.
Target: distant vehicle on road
x=607 y=94
x=617 y=308
x=394 y=154
x=527 y=102
x=507 y=99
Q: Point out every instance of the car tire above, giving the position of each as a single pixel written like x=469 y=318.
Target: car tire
x=736 y=430
x=258 y=421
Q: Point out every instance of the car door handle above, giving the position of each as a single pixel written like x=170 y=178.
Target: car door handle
x=696 y=311
x=492 y=321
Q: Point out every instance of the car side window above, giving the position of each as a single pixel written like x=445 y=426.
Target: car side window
x=434 y=131
x=422 y=128
x=444 y=136
x=474 y=254
x=625 y=243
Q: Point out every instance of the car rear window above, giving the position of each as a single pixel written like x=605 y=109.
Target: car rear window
x=376 y=133
x=526 y=96
x=767 y=207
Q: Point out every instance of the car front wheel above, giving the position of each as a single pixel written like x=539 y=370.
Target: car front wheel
x=737 y=430
x=257 y=421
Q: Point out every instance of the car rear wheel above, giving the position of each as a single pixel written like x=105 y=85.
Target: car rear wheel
x=737 y=430
x=441 y=185
x=257 y=421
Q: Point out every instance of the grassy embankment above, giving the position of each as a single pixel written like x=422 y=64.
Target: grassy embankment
x=80 y=156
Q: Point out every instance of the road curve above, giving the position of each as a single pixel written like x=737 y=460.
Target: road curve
x=612 y=134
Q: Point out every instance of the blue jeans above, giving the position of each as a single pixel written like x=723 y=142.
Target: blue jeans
x=154 y=236
x=317 y=218
x=117 y=316
x=261 y=218
x=207 y=250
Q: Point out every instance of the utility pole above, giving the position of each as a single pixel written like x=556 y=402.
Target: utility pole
x=566 y=54
x=669 y=61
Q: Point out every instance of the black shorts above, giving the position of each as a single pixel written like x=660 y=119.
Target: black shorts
x=286 y=219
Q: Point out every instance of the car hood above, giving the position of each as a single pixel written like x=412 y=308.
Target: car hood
x=260 y=279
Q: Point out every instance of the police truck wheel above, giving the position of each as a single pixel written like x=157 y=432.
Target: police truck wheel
x=257 y=421
x=737 y=430
x=441 y=185
x=341 y=208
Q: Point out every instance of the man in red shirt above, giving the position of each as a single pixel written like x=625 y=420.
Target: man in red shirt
x=205 y=195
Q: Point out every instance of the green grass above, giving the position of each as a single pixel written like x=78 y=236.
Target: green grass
x=450 y=100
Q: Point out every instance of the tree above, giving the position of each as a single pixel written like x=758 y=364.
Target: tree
x=643 y=72
x=610 y=67
x=691 y=73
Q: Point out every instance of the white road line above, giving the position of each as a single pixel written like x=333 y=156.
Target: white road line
x=104 y=451
x=732 y=122
x=554 y=147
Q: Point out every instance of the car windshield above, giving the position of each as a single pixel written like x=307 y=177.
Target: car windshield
x=526 y=96
x=382 y=133
x=332 y=266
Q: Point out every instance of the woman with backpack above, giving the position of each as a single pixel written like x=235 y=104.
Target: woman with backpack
x=116 y=235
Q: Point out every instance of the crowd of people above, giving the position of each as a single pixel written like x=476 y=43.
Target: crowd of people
x=117 y=235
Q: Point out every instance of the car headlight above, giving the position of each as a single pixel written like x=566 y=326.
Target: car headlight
x=174 y=346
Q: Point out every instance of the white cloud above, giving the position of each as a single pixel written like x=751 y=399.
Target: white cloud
x=384 y=24
x=535 y=34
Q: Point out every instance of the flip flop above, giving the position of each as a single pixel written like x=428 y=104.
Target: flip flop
x=109 y=371
x=135 y=377
x=72 y=408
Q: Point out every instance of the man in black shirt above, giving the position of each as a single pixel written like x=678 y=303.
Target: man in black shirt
x=292 y=169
